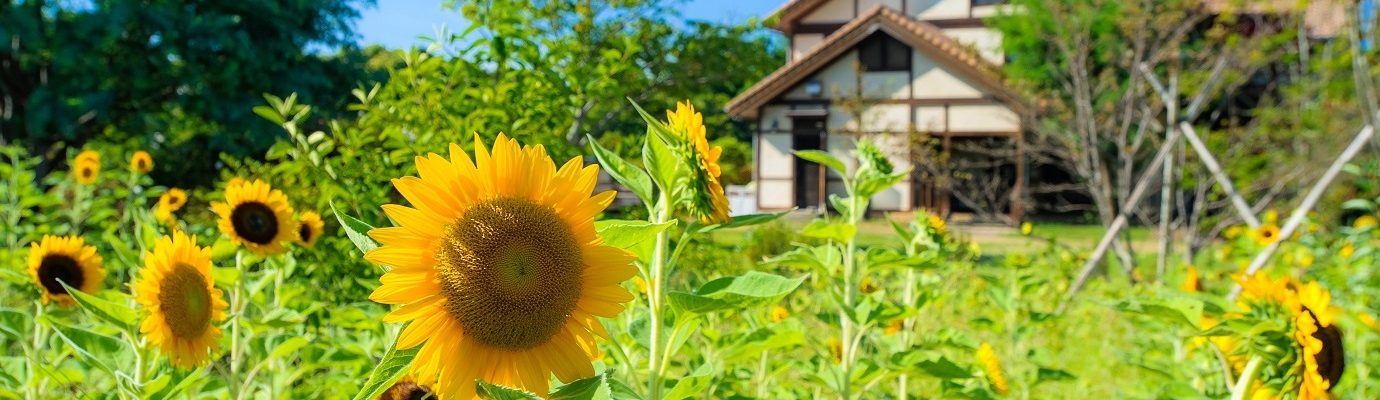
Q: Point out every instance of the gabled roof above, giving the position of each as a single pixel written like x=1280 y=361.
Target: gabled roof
x=921 y=36
x=791 y=12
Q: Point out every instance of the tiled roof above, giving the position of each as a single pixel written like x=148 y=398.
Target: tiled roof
x=1322 y=18
x=920 y=35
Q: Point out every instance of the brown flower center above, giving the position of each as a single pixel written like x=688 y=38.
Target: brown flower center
x=254 y=222
x=59 y=267
x=511 y=272
x=1331 y=360
x=185 y=301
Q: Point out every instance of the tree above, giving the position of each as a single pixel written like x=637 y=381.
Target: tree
x=176 y=76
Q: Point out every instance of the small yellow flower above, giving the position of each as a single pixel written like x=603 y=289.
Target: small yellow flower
x=1304 y=259
x=706 y=200
x=1347 y=250
x=640 y=283
x=1266 y=234
x=1027 y=228
x=868 y=286
x=1191 y=280
x=309 y=228
x=1365 y=221
x=1233 y=232
x=1271 y=217
x=86 y=170
x=836 y=349
x=141 y=162
x=937 y=223
x=992 y=366
x=894 y=327
x=779 y=313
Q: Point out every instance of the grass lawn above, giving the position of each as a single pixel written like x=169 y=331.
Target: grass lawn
x=994 y=239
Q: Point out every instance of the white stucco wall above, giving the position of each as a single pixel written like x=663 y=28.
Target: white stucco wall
x=937 y=9
x=936 y=81
x=986 y=41
x=864 y=5
x=834 y=11
x=802 y=43
x=983 y=118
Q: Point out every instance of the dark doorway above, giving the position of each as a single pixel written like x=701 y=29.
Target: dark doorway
x=808 y=134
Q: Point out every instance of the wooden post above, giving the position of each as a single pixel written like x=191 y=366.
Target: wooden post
x=1296 y=218
x=1171 y=109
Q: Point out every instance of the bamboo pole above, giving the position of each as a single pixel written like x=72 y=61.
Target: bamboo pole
x=1171 y=108
x=1301 y=212
x=1121 y=220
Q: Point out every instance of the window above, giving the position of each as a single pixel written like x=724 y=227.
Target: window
x=881 y=52
x=987 y=2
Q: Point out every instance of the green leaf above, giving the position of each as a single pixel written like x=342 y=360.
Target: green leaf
x=930 y=363
x=93 y=347
x=625 y=234
x=660 y=162
x=693 y=385
x=1051 y=374
x=356 y=230
x=1178 y=309
x=837 y=231
x=14 y=324
x=288 y=347
x=748 y=290
x=594 y=387
x=632 y=177
x=489 y=391
x=737 y=222
x=621 y=391
x=269 y=113
x=119 y=315
x=393 y=365
x=1358 y=205
x=823 y=158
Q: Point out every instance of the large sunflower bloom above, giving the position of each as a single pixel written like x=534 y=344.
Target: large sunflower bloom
x=310 y=228
x=706 y=199
x=256 y=216
x=176 y=288
x=141 y=162
x=1319 y=340
x=498 y=268
x=67 y=259
x=991 y=365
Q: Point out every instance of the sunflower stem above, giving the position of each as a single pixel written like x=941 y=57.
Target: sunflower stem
x=846 y=343
x=236 y=308
x=654 y=297
x=1243 y=383
x=34 y=387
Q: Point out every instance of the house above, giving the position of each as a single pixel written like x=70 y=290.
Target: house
x=921 y=77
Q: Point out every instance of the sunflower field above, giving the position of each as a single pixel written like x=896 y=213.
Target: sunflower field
x=491 y=270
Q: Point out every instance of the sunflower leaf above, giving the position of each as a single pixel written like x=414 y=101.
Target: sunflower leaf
x=122 y=316
x=693 y=385
x=634 y=178
x=13 y=323
x=393 y=365
x=489 y=391
x=594 y=387
x=624 y=234
x=737 y=222
x=93 y=347
x=747 y=290
x=823 y=158
x=356 y=230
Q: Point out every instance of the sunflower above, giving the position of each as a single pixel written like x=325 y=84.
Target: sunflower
x=1266 y=234
x=895 y=326
x=67 y=259
x=141 y=162
x=779 y=313
x=706 y=195
x=935 y=222
x=168 y=203
x=991 y=365
x=1347 y=250
x=407 y=389
x=1027 y=228
x=89 y=156
x=256 y=216
x=86 y=170
x=835 y=349
x=1192 y=283
x=868 y=286
x=1319 y=340
x=309 y=228
x=1365 y=221
x=498 y=268
x=176 y=288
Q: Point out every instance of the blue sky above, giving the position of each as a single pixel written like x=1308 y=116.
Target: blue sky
x=399 y=23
